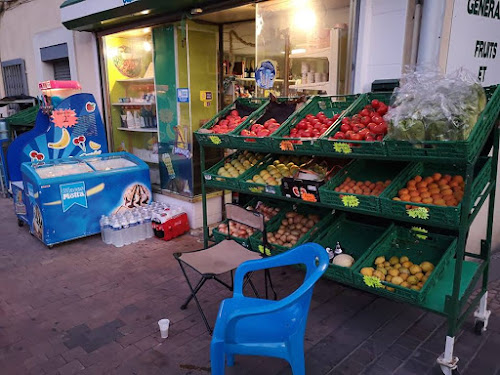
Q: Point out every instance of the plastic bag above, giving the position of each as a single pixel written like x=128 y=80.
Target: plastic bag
x=429 y=106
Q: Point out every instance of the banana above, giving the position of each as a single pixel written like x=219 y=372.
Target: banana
x=63 y=141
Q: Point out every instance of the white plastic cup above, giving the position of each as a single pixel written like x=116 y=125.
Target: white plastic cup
x=164 y=324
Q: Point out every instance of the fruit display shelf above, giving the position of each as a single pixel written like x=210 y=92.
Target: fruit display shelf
x=440 y=241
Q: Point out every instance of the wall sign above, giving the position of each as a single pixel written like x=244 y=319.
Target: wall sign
x=474 y=39
x=183 y=95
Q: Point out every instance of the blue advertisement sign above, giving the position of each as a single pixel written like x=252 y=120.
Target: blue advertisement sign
x=183 y=95
x=73 y=193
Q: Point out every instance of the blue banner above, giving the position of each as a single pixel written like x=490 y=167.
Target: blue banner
x=73 y=193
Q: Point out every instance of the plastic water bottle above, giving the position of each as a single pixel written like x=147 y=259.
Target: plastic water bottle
x=147 y=224
x=106 y=230
x=102 y=224
x=125 y=231
x=117 y=233
x=141 y=231
x=133 y=229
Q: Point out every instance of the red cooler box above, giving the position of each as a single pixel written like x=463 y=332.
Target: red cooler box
x=168 y=225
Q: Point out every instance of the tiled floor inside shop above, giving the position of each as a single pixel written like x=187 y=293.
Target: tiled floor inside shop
x=87 y=308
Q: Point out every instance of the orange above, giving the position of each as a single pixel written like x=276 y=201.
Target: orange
x=434 y=191
x=451 y=203
x=446 y=192
x=405 y=197
x=458 y=178
x=350 y=191
x=436 y=196
x=422 y=190
x=396 y=199
x=412 y=188
x=429 y=180
x=425 y=194
x=359 y=183
x=403 y=191
x=436 y=176
x=444 y=187
x=414 y=194
x=453 y=184
x=418 y=178
x=442 y=182
x=427 y=200
x=432 y=186
x=421 y=184
x=372 y=186
x=411 y=183
x=447 y=177
x=347 y=179
x=416 y=199
x=367 y=183
x=448 y=198
x=440 y=202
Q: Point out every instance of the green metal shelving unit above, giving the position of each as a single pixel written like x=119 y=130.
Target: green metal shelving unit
x=451 y=293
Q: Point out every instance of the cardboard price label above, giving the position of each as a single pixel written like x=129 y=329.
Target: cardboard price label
x=342 y=148
x=215 y=140
x=350 y=200
x=418 y=213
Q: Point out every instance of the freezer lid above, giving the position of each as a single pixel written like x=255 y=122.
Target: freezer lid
x=61 y=169
x=109 y=163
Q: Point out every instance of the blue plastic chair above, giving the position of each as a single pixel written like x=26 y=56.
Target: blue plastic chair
x=253 y=326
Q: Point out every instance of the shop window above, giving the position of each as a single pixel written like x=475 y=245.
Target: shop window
x=14 y=77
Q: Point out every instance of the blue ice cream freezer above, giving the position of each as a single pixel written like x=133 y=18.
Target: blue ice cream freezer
x=66 y=197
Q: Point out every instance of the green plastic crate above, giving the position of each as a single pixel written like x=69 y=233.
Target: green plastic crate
x=219 y=236
x=442 y=215
x=339 y=147
x=435 y=248
x=253 y=187
x=453 y=150
x=359 y=170
x=330 y=105
x=257 y=143
x=275 y=222
x=213 y=179
x=246 y=107
x=347 y=232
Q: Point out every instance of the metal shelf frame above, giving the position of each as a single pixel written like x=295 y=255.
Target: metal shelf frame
x=453 y=304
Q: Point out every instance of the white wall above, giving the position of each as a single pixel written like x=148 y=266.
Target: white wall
x=380 y=42
x=27 y=27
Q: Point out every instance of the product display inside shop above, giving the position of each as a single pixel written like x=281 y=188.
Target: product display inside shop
x=407 y=170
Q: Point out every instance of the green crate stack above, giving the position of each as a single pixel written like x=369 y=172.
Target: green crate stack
x=400 y=241
x=255 y=143
x=274 y=224
x=441 y=215
x=213 y=179
x=360 y=170
x=329 y=105
x=453 y=150
x=349 y=147
x=225 y=140
x=219 y=236
x=347 y=232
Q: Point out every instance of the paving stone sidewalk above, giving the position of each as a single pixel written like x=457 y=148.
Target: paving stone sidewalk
x=88 y=308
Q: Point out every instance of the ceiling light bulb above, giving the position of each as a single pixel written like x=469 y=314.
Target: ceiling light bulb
x=147 y=46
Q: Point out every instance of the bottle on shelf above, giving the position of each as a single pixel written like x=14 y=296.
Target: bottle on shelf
x=252 y=71
x=246 y=72
x=130 y=118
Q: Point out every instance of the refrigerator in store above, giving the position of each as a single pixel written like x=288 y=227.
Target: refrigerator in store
x=66 y=197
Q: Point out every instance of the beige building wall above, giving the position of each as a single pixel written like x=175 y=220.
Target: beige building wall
x=27 y=27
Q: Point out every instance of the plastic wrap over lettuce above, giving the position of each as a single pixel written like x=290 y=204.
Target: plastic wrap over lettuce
x=431 y=107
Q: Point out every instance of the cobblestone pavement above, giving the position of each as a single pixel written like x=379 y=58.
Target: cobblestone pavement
x=87 y=308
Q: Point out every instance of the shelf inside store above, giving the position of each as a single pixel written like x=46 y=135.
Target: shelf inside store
x=137 y=80
x=435 y=299
x=140 y=130
x=131 y=104
x=312 y=53
x=311 y=86
x=253 y=79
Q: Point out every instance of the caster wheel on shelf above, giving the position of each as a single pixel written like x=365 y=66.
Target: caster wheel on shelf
x=20 y=223
x=479 y=327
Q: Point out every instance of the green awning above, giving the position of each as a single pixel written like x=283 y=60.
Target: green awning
x=25 y=117
x=95 y=15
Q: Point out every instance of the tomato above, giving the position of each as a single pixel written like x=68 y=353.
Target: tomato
x=369 y=138
x=365 y=120
x=329 y=122
x=379 y=129
x=346 y=120
x=365 y=112
x=380 y=137
x=234 y=112
x=356 y=128
x=371 y=125
x=377 y=119
x=356 y=137
x=375 y=103
x=382 y=110
x=339 y=135
x=345 y=127
x=364 y=132
x=349 y=134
